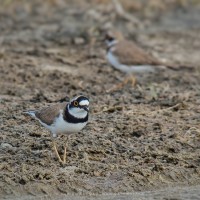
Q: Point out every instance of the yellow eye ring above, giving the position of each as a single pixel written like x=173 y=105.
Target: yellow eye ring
x=75 y=103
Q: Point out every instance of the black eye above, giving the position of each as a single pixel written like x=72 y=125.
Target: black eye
x=76 y=103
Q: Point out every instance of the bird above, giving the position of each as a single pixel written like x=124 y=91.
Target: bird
x=63 y=118
x=127 y=57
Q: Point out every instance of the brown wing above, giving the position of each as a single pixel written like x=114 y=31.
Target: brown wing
x=130 y=54
x=48 y=115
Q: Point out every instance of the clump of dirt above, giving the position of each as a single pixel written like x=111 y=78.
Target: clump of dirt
x=138 y=138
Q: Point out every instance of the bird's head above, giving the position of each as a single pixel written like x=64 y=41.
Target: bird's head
x=79 y=106
x=112 y=37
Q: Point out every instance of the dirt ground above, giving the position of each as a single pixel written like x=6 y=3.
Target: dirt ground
x=139 y=138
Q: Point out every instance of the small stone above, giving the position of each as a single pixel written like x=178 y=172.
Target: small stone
x=79 y=40
x=6 y=146
x=97 y=173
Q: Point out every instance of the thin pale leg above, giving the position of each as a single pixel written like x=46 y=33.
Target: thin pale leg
x=130 y=78
x=65 y=155
x=57 y=154
x=65 y=150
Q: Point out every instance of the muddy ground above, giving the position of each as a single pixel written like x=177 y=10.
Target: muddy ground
x=139 y=138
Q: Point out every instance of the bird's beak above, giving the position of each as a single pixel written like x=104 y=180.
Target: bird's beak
x=86 y=108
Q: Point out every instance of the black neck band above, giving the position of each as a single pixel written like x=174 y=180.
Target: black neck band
x=71 y=119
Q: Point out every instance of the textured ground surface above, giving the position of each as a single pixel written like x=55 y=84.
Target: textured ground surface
x=139 y=138
x=176 y=193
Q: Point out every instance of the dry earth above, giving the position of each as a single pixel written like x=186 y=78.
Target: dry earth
x=138 y=138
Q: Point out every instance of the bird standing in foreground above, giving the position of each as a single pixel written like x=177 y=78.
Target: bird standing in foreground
x=128 y=58
x=64 y=118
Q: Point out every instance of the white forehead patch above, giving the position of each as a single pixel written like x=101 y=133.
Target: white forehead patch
x=84 y=103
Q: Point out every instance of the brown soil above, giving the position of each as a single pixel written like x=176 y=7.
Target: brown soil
x=138 y=138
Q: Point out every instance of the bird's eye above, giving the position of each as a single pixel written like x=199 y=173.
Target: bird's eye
x=75 y=103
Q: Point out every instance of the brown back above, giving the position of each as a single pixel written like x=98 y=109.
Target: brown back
x=47 y=115
x=129 y=53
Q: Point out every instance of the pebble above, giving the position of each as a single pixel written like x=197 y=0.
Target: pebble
x=7 y=146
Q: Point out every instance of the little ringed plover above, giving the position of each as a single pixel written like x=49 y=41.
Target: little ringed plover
x=64 y=118
x=127 y=57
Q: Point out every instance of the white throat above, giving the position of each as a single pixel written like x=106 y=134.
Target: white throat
x=112 y=43
x=77 y=112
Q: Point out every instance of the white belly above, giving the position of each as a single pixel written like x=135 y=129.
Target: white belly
x=60 y=126
x=126 y=68
x=115 y=63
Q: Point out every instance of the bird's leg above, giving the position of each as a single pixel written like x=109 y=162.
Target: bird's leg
x=115 y=87
x=57 y=154
x=65 y=154
x=130 y=78
x=65 y=151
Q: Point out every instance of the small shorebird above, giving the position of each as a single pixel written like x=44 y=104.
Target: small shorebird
x=127 y=57
x=63 y=118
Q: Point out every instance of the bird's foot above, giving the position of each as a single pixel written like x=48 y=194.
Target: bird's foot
x=130 y=79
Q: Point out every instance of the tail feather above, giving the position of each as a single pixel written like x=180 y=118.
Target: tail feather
x=178 y=66
x=151 y=68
